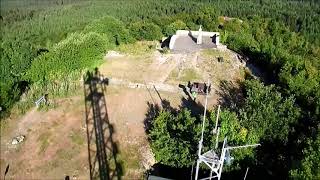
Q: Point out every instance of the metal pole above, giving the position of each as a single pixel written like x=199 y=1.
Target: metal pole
x=217 y=138
x=204 y=113
x=192 y=170
x=215 y=128
x=211 y=171
x=202 y=132
x=223 y=153
x=245 y=176
x=197 y=169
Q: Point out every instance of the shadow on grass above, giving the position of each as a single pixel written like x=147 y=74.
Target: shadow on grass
x=102 y=150
x=231 y=95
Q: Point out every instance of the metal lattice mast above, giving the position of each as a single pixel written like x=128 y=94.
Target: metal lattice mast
x=210 y=158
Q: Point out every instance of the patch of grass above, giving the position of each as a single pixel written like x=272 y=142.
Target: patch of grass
x=185 y=75
x=77 y=138
x=67 y=154
x=22 y=107
x=211 y=52
x=173 y=74
x=189 y=75
x=64 y=161
x=246 y=73
x=44 y=140
x=54 y=124
x=3 y=126
x=138 y=48
x=214 y=54
x=113 y=90
x=130 y=158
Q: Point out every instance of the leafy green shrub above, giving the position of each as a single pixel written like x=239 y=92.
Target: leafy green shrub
x=145 y=31
x=79 y=51
x=174 y=139
x=113 y=28
x=173 y=27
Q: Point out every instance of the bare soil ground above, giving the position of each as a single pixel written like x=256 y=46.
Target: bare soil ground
x=56 y=139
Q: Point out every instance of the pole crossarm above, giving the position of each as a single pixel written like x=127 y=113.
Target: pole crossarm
x=243 y=146
x=208 y=177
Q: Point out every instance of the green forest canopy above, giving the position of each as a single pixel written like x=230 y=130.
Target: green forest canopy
x=41 y=42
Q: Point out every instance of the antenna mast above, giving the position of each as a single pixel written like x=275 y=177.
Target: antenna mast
x=210 y=158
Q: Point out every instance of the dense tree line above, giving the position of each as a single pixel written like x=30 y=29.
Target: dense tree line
x=48 y=47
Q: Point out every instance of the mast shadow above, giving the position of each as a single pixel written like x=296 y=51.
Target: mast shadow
x=102 y=150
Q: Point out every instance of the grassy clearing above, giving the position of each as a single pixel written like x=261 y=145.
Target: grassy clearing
x=185 y=76
x=44 y=140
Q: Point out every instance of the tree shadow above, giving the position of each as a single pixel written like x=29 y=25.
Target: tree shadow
x=102 y=150
x=194 y=39
x=152 y=113
x=166 y=42
x=196 y=108
x=260 y=65
x=231 y=95
x=163 y=171
x=154 y=110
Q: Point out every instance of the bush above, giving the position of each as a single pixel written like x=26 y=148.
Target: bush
x=145 y=31
x=173 y=27
x=174 y=139
x=309 y=167
x=77 y=52
x=113 y=28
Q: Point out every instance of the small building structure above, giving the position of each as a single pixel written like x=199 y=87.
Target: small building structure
x=190 y=41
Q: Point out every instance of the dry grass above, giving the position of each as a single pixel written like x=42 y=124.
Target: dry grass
x=129 y=68
x=184 y=76
x=213 y=54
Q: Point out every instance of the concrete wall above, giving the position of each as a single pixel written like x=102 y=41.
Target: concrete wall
x=204 y=33
x=172 y=41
